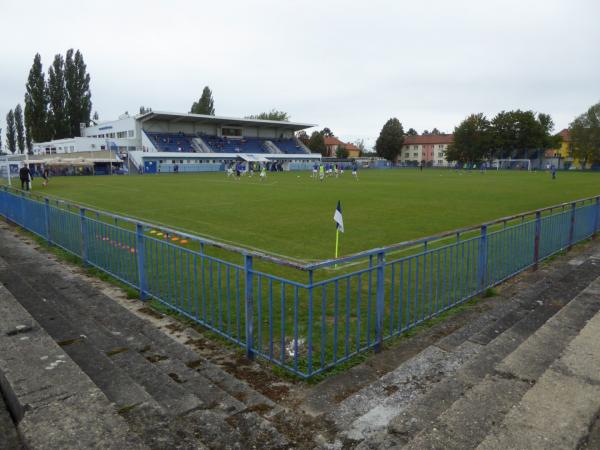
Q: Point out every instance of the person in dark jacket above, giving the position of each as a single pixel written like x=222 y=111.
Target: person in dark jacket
x=25 y=176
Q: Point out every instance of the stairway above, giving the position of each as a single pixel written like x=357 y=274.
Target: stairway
x=168 y=396
x=526 y=374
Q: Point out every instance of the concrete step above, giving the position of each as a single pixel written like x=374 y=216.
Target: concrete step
x=116 y=384
x=428 y=382
x=560 y=411
x=138 y=367
x=52 y=400
x=146 y=337
x=423 y=413
x=9 y=437
x=470 y=418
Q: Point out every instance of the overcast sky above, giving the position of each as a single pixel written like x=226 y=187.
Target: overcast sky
x=342 y=64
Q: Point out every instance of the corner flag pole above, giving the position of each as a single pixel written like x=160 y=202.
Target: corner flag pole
x=339 y=226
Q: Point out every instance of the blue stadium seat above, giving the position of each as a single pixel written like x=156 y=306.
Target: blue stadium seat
x=288 y=146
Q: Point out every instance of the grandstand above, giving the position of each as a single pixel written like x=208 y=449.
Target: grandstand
x=162 y=141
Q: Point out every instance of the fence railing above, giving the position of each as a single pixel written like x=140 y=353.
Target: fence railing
x=306 y=318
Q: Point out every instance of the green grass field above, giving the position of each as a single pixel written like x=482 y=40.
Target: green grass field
x=291 y=214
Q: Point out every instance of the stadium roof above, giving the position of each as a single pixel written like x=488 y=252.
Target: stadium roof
x=201 y=118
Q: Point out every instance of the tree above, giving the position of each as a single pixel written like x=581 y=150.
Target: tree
x=271 y=115
x=205 y=105
x=36 y=102
x=18 y=115
x=390 y=140
x=326 y=132
x=585 y=136
x=79 y=98
x=316 y=143
x=28 y=141
x=96 y=117
x=412 y=132
x=436 y=132
x=341 y=152
x=303 y=137
x=360 y=143
x=520 y=134
x=11 y=132
x=58 y=121
x=426 y=133
x=144 y=110
x=471 y=140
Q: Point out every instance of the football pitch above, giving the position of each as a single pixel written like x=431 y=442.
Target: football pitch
x=291 y=214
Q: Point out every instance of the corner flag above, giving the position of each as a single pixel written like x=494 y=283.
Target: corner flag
x=339 y=226
x=337 y=216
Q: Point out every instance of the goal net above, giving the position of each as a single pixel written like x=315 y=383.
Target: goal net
x=514 y=164
x=9 y=169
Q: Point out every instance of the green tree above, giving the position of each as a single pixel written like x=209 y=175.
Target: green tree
x=521 y=134
x=28 y=141
x=79 y=97
x=412 y=132
x=436 y=132
x=36 y=102
x=316 y=143
x=303 y=137
x=205 y=105
x=11 y=132
x=326 y=132
x=144 y=109
x=585 y=136
x=58 y=122
x=341 y=152
x=18 y=114
x=390 y=140
x=96 y=117
x=426 y=133
x=471 y=140
x=271 y=115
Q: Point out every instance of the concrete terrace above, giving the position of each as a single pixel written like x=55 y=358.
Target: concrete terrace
x=81 y=366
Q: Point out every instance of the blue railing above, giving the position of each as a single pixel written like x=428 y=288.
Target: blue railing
x=306 y=318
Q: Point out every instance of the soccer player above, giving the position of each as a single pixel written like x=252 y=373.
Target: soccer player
x=315 y=170
x=263 y=173
x=321 y=172
x=355 y=171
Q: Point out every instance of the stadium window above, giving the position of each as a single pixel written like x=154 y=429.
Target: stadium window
x=415 y=155
x=160 y=161
x=172 y=161
x=130 y=133
x=102 y=147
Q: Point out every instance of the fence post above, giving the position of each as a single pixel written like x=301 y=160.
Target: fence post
x=596 y=218
x=536 y=245
x=379 y=298
x=139 y=244
x=83 y=236
x=572 y=227
x=249 y=307
x=482 y=264
x=310 y=321
x=47 y=218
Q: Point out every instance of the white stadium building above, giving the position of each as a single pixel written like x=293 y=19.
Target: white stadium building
x=158 y=142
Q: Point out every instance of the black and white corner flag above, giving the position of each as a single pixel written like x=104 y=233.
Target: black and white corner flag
x=337 y=216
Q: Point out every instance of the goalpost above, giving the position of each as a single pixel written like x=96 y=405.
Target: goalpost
x=9 y=168
x=513 y=164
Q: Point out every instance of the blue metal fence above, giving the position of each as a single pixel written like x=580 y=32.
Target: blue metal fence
x=305 y=318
